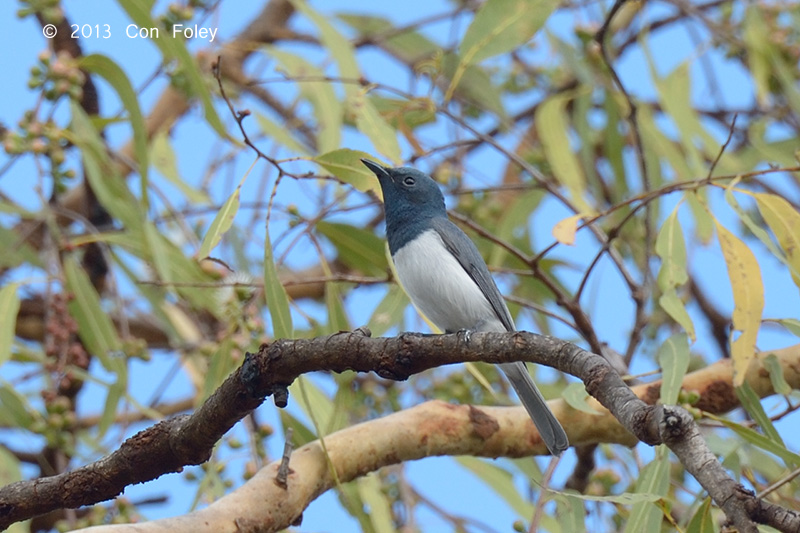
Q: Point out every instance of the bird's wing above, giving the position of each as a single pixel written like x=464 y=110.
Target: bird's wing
x=465 y=251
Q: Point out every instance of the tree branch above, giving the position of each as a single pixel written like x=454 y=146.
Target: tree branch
x=187 y=440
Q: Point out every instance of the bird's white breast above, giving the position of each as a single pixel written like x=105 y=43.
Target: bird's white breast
x=440 y=287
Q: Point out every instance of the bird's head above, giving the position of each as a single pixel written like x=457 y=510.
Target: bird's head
x=408 y=189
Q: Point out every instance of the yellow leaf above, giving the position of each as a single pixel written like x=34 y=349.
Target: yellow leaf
x=748 y=299
x=784 y=221
x=564 y=230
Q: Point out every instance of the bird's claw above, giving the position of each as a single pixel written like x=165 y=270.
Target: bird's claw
x=465 y=334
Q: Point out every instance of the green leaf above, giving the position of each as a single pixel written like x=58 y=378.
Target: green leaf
x=378 y=505
x=653 y=480
x=551 y=124
x=674 y=91
x=371 y=123
x=9 y=473
x=180 y=268
x=16 y=252
x=408 y=46
x=405 y=114
x=576 y=396
x=280 y=134
x=115 y=76
x=752 y=404
x=513 y=224
x=16 y=411
x=220 y=365
x=303 y=434
x=626 y=498
x=762 y=147
x=337 y=316
x=340 y=48
x=675 y=308
x=109 y=187
x=346 y=165
x=500 y=26
x=275 y=294
x=222 y=221
x=350 y=499
x=665 y=148
x=671 y=248
x=775 y=370
x=94 y=325
x=318 y=406
x=793 y=325
x=9 y=307
x=115 y=393
x=702 y=521
x=571 y=514
x=704 y=223
x=748 y=299
x=475 y=86
x=184 y=269
x=328 y=110
x=762 y=441
x=673 y=356
x=155 y=245
x=758 y=53
x=358 y=248
x=767 y=63
x=614 y=143
x=175 y=48
x=389 y=312
x=163 y=159
x=413 y=48
x=501 y=481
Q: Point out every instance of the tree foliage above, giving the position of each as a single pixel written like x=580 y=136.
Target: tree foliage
x=629 y=170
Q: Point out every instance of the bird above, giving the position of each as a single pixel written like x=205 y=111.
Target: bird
x=446 y=278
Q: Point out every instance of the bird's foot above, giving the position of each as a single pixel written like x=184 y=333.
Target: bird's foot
x=465 y=334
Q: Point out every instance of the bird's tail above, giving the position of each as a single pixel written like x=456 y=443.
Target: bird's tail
x=549 y=428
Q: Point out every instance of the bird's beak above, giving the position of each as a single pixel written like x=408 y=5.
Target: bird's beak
x=380 y=171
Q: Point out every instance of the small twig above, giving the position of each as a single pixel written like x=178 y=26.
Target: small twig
x=639 y=292
x=778 y=484
x=651 y=28
x=723 y=147
x=239 y=116
x=283 y=470
x=349 y=278
x=546 y=477
x=669 y=188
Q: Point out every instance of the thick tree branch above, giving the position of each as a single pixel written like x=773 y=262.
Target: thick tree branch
x=430 y=429
x=187 y=440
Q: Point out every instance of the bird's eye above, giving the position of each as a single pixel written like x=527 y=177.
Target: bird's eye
x=409 y=181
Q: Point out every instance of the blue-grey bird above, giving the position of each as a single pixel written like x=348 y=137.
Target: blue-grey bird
x=447 y=279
